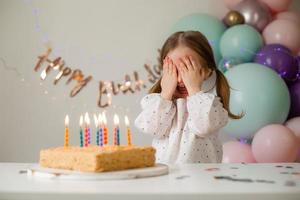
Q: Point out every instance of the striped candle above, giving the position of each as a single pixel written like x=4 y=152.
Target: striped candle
x=81 y=131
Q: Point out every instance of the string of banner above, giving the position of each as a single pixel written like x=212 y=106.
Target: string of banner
x=106 y=88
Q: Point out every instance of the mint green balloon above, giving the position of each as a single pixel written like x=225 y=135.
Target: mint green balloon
x=241 y=41
x=258 y=92
x=208 y=25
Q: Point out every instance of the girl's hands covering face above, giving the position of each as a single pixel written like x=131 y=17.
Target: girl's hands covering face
x=169 y=79
x=192 y=74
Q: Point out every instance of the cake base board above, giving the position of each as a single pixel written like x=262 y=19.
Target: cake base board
x=61 y=174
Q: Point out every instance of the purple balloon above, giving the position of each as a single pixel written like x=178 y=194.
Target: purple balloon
x=280 y=59
x=295 y=99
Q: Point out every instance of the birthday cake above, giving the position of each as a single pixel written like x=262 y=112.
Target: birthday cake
x=98 y=159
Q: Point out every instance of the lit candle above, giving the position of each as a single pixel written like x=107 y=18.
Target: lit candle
x=128 y=130
x=81 y=131
x=86 y=129
x=100 y=121
x=89 y=130
x=105 y=134
x=116 y=130
x=97 y=129
x=66 y=131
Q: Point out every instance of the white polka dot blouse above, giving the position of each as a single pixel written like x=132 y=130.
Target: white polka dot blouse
x=184 y=130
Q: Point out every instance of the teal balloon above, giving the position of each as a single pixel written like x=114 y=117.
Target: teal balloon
x=258 y=92
x=241 y=41
x=208 y=25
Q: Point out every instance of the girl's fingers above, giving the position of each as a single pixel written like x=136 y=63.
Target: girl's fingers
x=188 y=63
x=171 y=69
x=194 y=63
x=168 y=65
x=180 y=69
x=174 y=70
x=165 y=70
x=164 y=64
x=182 y=66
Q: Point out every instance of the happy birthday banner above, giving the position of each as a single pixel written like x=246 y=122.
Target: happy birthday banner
x=106 y=88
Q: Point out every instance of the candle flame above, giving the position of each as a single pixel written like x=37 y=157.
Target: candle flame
x=116 y=119
x=96 y=120
x=67 y=121
x=104 y=118
x=87 y=118
x=100 y=119
x=81 y=120
x=126 y=120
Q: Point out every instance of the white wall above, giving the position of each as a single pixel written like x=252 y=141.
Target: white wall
x=105 y=38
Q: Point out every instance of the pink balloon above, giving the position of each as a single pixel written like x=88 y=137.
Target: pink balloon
x=283 y=32
x=298 y=156
x=294 y=125
x=237 y=152
x=274 y=143
x=289 y=15
x=231 y=3
x=277 y=5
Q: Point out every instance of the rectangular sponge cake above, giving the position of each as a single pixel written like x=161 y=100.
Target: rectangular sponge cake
x=97 y=159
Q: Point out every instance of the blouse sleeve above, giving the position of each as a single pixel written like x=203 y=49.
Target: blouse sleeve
x=156 y=116
x=206 y=113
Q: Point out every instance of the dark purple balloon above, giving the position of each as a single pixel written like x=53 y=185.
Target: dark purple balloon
x=295 y=99
x=280 y=59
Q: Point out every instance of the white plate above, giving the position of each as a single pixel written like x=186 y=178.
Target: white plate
x=61 y=174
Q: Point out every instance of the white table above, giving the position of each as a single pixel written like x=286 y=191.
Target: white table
x=191 y=181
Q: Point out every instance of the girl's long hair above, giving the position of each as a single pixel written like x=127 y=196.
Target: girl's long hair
x=198 y=43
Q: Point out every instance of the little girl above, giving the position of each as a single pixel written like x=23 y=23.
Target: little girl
x=189 y=105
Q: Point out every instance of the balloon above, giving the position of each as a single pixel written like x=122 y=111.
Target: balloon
x=298 y=156
x=274 y=143
x=295 y=99
x=280 y=59
x=256 y=14
x=233 y=18
x=294 y=125
x=240 y=41
x=298 y=60
x=277 y=5
x=237 y=152
x=258 y=92
x=231 y=3
x=210 y=26
x=226 y=63
x=283 y=32
x=289 y=15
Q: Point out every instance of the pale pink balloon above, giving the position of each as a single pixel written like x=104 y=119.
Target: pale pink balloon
x=237 y=152
x=283 y=32
x=231 y=3
x=294 y=125
x=277 y=5
x=289 y=15
x=274 y=143
x=298 y=156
